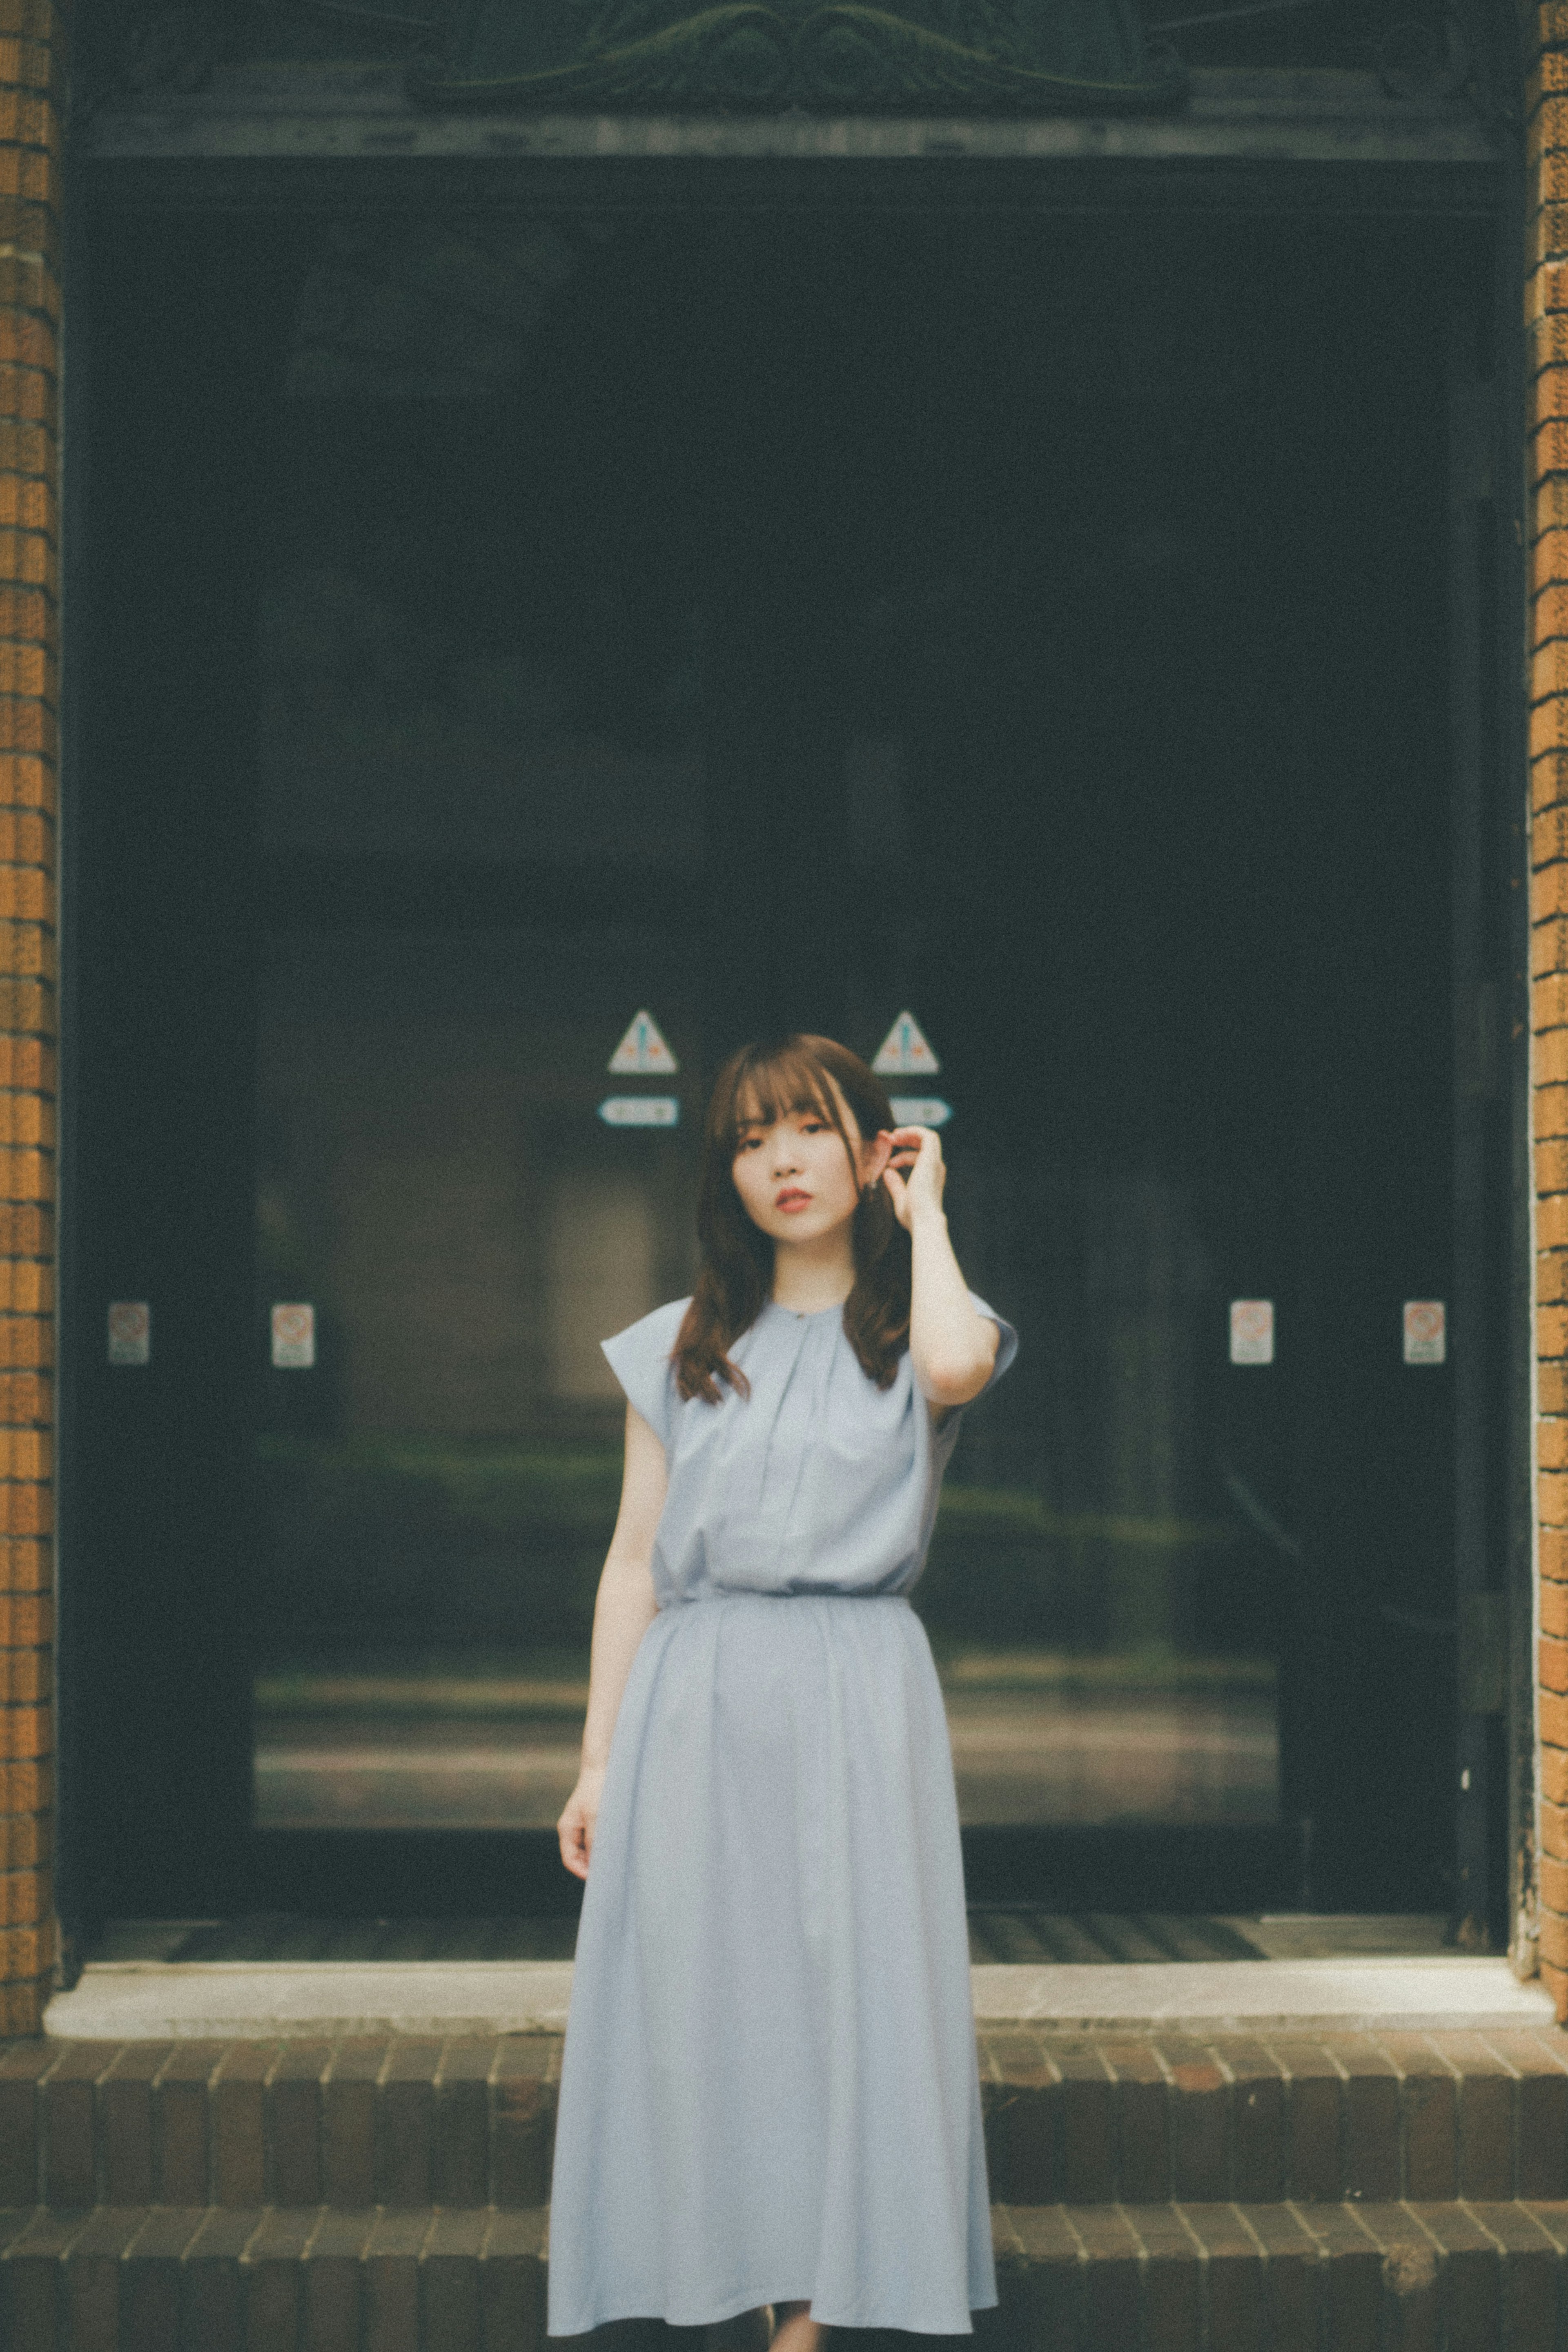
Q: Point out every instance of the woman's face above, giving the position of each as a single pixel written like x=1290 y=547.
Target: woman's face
x=794 y=1177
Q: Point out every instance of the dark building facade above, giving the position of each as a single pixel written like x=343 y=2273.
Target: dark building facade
x=1034 y=516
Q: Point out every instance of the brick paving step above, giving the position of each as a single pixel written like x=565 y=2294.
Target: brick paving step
x=1086 y=2118
x=1188 y=2277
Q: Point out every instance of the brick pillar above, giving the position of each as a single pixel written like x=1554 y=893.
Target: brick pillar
x=1546 y=372
x=32 y=62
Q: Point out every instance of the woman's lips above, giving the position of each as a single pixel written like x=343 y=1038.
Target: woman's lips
x=790 y=1202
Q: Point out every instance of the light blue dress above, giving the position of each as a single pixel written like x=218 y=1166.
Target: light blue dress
x=769 y=2090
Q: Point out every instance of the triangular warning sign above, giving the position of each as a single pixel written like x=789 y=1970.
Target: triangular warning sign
x=642 y=1052
x=903 y=1053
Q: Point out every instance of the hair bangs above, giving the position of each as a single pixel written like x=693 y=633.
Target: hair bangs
x=778 y=1082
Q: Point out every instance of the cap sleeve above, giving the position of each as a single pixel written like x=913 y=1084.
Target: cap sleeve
x=1006 y=1348
x=639 y=1358
x=1007 y=1344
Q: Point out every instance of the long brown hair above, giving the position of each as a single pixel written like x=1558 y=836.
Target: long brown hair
x=766 y=1082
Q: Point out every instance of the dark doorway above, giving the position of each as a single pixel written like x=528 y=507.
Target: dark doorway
x=759 y=623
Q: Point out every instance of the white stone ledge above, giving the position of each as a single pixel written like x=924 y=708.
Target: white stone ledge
x=214 y=1999
x=1453 y=1989
x=159 y=2001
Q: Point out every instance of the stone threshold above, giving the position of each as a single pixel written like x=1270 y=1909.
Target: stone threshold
x=128 y=2000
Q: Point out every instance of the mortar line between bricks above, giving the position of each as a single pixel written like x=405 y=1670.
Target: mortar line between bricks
x=1200 y=2249
x=1455 y=2069
x=1467 y=2209
x=1402 y=2074
x=1301 y=2213
x=1241 y=2215
x=151 y=2219
x=1205 y=2317
x=1342 y=2123
x=70 y=2224
x=264 y=2216
x=1407 y=2206
x=1143 y=2262
x=1288 y=2081
x=1002 y=2224
x=1271 y=2039
x=489 y=2232
x=1119 y=2211
x=1489 y=2045
x=206 y=2080
x=1515 y=2110
x=280 y=2058
x=1221 y=2065
x=1545 y=2044
x=128 y=2249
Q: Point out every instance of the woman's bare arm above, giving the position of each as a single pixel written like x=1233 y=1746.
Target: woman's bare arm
x=952 y=1350
x=622 y=1612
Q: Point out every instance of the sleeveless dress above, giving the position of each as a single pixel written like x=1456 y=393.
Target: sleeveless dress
x=769 y=2090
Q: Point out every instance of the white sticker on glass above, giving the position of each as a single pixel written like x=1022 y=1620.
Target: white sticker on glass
x=642 y=1052
x=641 y=1110
x=904 y=1052
x=921 y=1110
x=130 y=1331
x=1426 y=1331
x=1251 y=1331
x=293 y=1337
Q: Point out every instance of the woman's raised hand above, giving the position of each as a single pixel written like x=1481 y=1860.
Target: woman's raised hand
x=915 y=1174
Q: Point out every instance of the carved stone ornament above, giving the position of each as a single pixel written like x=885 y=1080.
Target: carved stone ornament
x=833 y=56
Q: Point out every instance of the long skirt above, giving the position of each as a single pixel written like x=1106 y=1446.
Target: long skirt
x=769 y=2090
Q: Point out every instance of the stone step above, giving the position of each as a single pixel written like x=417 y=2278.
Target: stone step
x=1171 y=2277
x=1090 y=2119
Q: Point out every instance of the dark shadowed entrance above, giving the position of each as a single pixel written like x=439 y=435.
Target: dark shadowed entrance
x=777 y=623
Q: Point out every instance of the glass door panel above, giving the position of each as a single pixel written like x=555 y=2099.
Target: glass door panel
x=813 y=623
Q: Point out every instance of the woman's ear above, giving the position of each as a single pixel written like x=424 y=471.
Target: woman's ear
x=875 y=1157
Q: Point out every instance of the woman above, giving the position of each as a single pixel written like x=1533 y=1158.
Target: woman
x=769 y=2094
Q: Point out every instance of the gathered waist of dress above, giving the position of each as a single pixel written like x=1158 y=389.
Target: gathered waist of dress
x=734 y=1592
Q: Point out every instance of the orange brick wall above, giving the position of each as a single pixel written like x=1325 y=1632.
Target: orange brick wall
x=32 y=60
